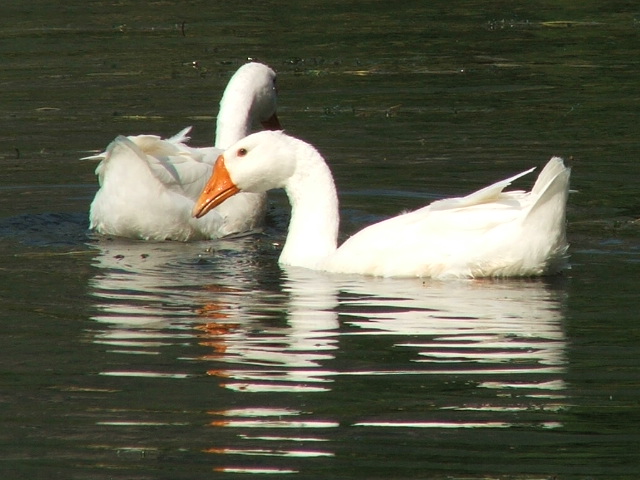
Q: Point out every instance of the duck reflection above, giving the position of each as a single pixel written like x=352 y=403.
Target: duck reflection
x=147 y=291
x=289 y=350
x=292 y=350
x=289 y=324
x=486 y=354
x=514 y=325
x=409 y=354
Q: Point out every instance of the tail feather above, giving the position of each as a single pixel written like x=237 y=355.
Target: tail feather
x=546 y=220
x=181 y=137
x=552 y=185
x=554 y=168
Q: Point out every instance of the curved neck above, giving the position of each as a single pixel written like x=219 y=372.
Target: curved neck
x=234 y=118
x=313 y=228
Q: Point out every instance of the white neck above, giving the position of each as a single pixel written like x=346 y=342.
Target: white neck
x=313 y=229
x=234 y=118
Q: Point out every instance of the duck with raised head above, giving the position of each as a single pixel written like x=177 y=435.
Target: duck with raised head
x=488 y=233
x=148 y=185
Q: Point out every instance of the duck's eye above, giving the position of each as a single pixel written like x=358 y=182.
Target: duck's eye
x=242 y=152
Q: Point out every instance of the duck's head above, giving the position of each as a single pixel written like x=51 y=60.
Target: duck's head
x=257 y=82
x=257 y=163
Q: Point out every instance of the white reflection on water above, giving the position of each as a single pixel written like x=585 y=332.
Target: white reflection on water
x=290 y=356
x=275 y=338
x=469 y=327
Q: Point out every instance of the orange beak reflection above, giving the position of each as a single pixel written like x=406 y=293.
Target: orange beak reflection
x=217 y=190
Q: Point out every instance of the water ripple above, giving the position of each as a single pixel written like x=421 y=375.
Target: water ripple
x=279 y=350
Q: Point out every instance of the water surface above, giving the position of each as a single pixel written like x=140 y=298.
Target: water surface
x=126 y=359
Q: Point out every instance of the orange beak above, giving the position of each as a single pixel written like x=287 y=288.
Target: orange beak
x=272 y=123
x=217 y=190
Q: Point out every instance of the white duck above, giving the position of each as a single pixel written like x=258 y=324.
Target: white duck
x=489 y=233
x=148 y=185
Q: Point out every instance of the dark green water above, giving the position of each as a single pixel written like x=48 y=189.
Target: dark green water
x=129 y=360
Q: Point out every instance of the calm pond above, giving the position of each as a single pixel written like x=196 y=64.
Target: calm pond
x=130 y=360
